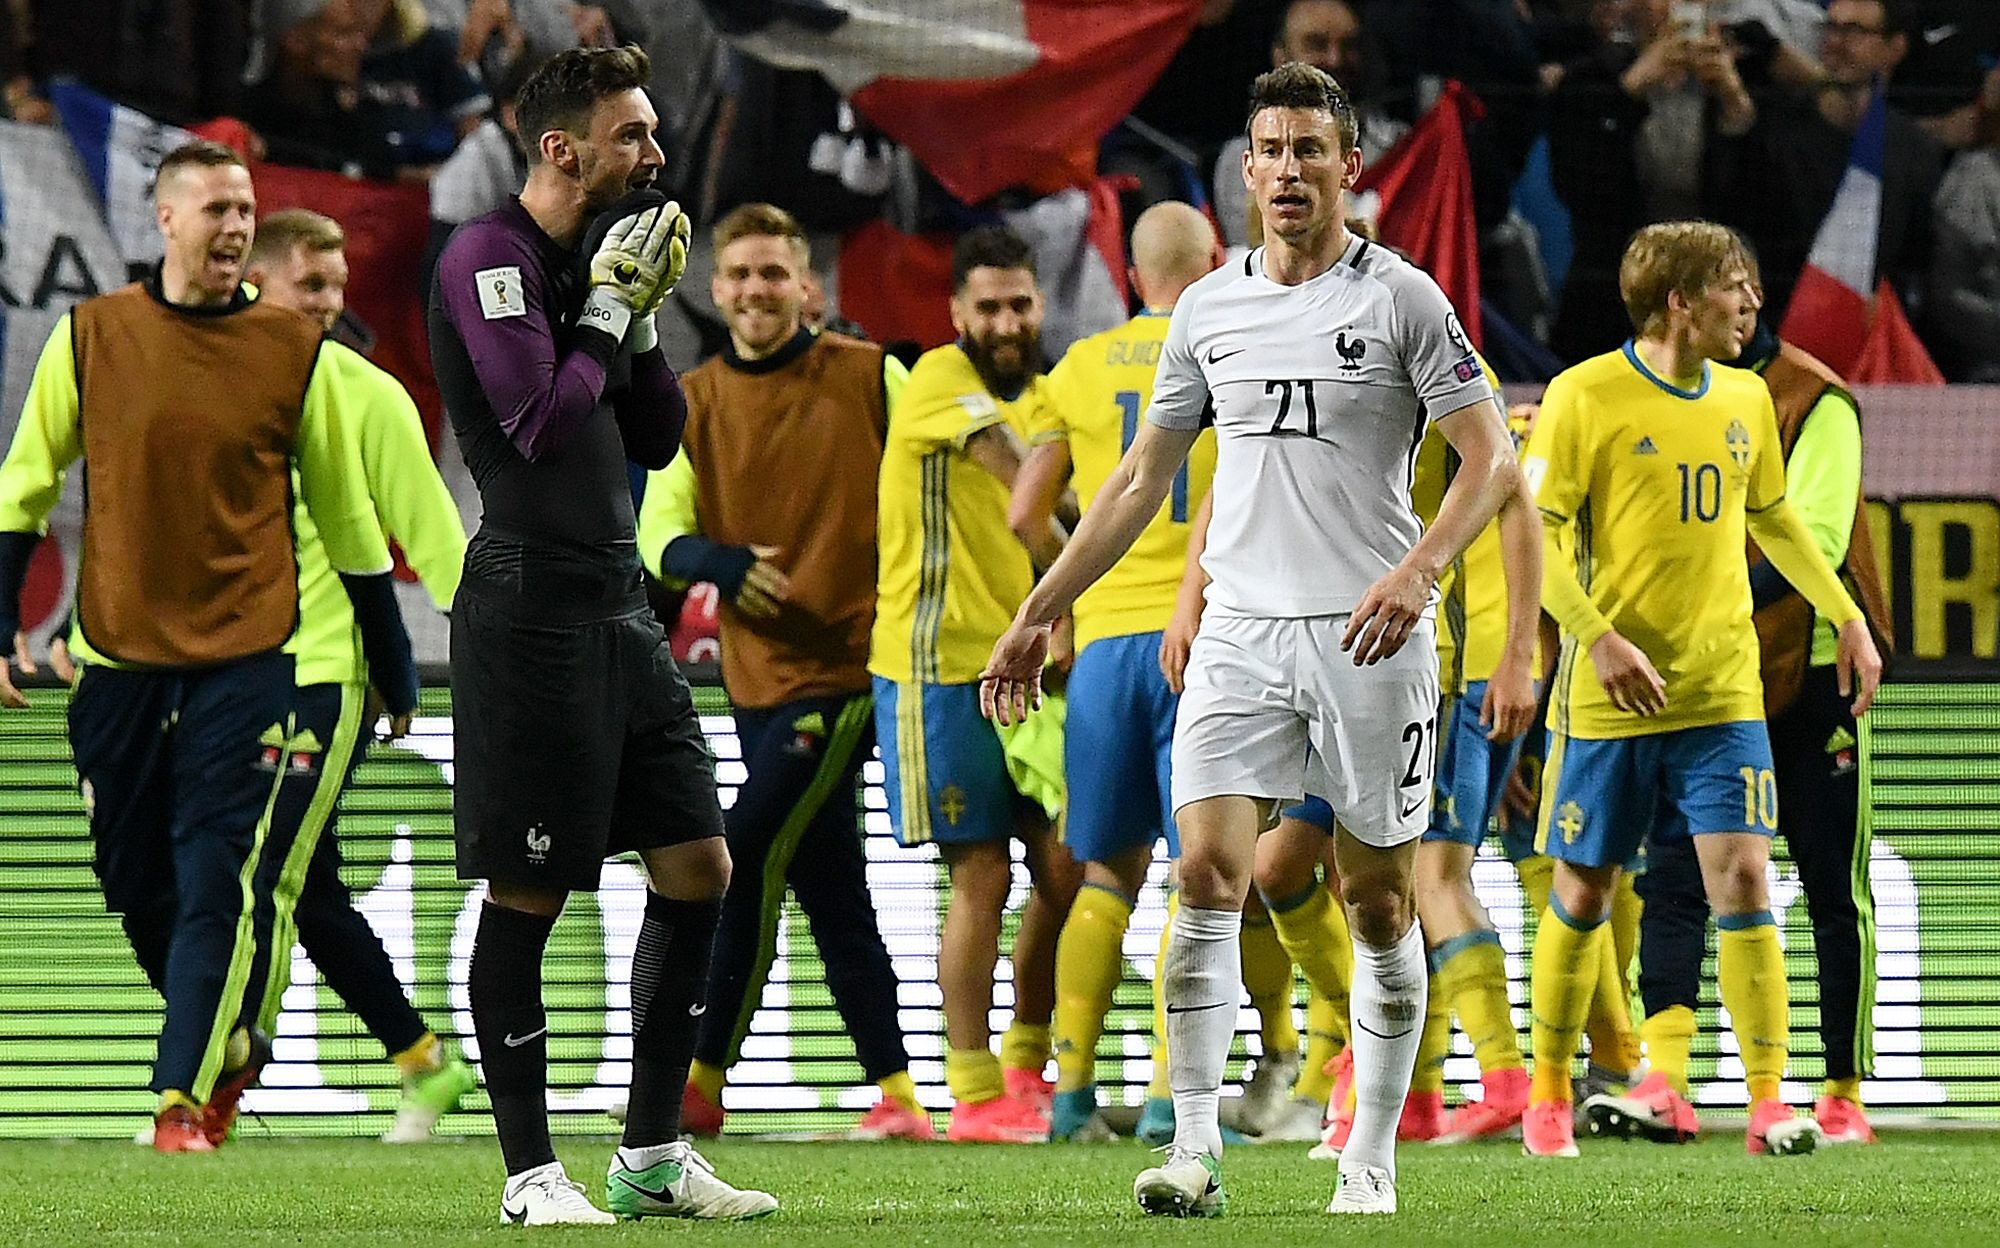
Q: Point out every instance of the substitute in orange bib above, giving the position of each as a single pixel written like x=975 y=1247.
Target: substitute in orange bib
x=796 y=571
x=204 y=408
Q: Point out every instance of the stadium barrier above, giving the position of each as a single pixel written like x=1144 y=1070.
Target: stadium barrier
x=77 y=1022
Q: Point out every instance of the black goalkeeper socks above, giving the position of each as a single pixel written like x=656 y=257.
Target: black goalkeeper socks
x=669 y=996
x=505 y=984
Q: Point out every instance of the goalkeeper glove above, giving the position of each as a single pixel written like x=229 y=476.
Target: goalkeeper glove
x=629 y=266
x=678 y=229
x=646 y=335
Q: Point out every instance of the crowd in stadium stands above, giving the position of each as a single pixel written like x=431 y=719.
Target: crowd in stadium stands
x=1597 y=116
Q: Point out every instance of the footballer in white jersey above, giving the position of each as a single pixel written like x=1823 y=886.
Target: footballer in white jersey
x=1320 y=360
x=1320 y=393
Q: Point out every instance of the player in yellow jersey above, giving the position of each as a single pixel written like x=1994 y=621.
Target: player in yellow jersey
x=1653 y=465
x=1473 y=768
x=951 y=577
x=1118 y=729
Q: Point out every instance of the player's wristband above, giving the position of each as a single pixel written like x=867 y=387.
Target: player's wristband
x=603 y=310
x=16 y=549
x=385 y=643
x=645 y=334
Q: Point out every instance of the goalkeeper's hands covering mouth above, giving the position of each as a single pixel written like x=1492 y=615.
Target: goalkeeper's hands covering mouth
x=633 y=270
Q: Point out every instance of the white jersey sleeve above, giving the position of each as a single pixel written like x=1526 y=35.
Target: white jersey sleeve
x=1180 y=392
x=1436 y=354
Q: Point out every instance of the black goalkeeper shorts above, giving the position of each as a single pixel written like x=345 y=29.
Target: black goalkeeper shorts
x=576 y=739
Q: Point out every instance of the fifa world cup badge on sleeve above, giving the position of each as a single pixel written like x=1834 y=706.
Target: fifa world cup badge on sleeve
x=500 y=293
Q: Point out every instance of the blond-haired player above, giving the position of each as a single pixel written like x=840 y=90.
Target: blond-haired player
x=1649 y=466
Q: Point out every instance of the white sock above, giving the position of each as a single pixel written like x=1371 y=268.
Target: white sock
x=1204 y=990
x=1387 y=1005
x=644 y=1158
x=515 y=1182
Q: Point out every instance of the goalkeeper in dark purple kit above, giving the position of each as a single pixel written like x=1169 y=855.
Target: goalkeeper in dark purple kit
x=576 y=735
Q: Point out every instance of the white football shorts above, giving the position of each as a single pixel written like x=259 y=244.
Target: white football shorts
x=1275 y=709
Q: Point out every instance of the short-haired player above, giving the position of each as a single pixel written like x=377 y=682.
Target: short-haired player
x=1320 y=360
x=952 y=574
x=541 y=327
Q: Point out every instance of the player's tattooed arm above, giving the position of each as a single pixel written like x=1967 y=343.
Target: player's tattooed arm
x=1037 y=487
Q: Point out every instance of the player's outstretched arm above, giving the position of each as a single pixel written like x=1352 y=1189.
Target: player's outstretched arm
x=1786 y=541
x=1178 y=639
x=1487 y=477
x=1011 y=685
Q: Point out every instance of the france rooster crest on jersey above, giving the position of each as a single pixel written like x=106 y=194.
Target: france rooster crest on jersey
x=1318 y=389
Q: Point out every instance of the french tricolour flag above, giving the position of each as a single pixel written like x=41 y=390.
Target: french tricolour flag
x=120 y=148
x=986 y=94
x=1839 y=312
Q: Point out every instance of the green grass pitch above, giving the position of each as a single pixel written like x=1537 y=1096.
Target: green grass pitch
x=1917 y=1189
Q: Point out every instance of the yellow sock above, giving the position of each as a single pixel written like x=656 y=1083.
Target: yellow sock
x=1160 y=1088
x=172 y=1097
x=421 y=1058
x=1472 y=980
x=1428 y=1076
x=1538 y=874
x=1626 y=911
x=1613 y=1043
x=1845 y=1089
x=900 y=1088
x=1267 y=978
x=1751 y=969
x=973 y=1075
x=1565 y=971
x=708 y=1079
x=1025 y=1046
x=1668 y=1036
x=1323 y=1041
x=1089 y=957
x=1313 y=929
